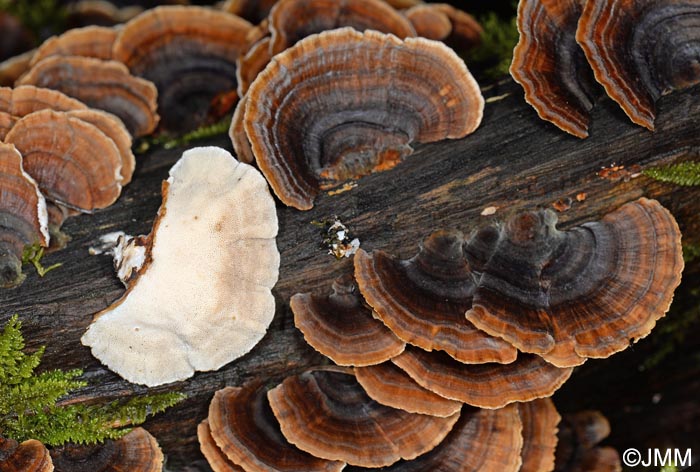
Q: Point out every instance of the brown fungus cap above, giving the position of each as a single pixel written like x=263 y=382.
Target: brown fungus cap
x=136 y=451
x=25 y=99
x=293 y=20
x=189 y=53
x=215 y=457
x=641 y=50
x=236 y=132
x=28 y=456
x=483 y=385
x=550 y=65
x=7 y=121
x=540 y=420
x=430 y=23
x=423 y=299
x=247 y=432
x=252 y=63
x=340 y=326
x=318 y=114
x=106 y=85
x=578 y=450
x=328 y=414
x=90 y=41
x=74 y=163
x=11 y=69
x=585 y=292
x=464 y=32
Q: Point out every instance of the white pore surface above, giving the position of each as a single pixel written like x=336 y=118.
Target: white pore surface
x=204 y=299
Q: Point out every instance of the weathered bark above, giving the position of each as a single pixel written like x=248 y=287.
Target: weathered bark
x=514 y=161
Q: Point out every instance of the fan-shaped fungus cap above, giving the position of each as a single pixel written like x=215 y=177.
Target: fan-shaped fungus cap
x=23 y=100
x=540 y=420
x=106 y=85
x=464 y=33
x=236 y=132
x=586 y=292
x=551 y=67
x=29 y=456
x=342 y=328
x=579 y=434
x=202 y=299
x=136 y=451
x=189 y=53
x=214 y=456
x=423 y=299
x=90 y=41
x=11 y=69
x=247 y=432
x=430 y=23
x=23 y=216
x=293 y=20
x=329 y=415
x=391 y=386
x=483 y=385
x=348 y=111
x=252 y=63
x=641 y=50
x=7 y=121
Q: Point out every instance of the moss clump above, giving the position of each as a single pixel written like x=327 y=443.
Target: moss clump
x=495 y=53
x=686 y=174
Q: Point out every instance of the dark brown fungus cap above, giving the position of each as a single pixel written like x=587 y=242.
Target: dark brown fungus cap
x=577 y=450
x=540 y=420
x=341 y=327
x=29 y=456
x=11 y=69
x=106 y=85
x=214 y=456
x=293 y=20
x=329 y=415
x=252 y=63
x=74 y=163
x=23 y=100
x=430 y=23
x=550 y=65
x=423 y=299
x=189 y=53
x=91 y=41
x=236 y=132
x=136 y=451
x=641 y=50
x=483 y=385
x=247 y=432
x=333 y=108
x=464 y=34
x=254 y=11
x=391 y=386
x=585 y=292
x=23 y=216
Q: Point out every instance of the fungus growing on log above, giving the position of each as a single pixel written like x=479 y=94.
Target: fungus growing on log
x=251 y=64
x=90 y=41
x=215 y=457
x=28 y=456
x=25 y=99
x=640 y=51
x=429 y=23
x=189 y=53
x=348 y=111
x=540 y=420
x=202 y=298
x=12 y=69
x=23 y=216
x=550 y=65
x=423 y=299
x=578 y=450
x=329 y=415
x=429 y=20
x=586 y=292
x=236 y=132
x=342 y=328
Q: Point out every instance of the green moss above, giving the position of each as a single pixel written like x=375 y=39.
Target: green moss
x=32 y=254
x=42 y=17
x=691 y=252
x=170 y=142
x=495 y=53
x=686 y=174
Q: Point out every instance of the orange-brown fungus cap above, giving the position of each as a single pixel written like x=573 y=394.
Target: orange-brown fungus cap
x=293 y=20
x=483 y=385
x=334 y=108
x=423 y=299
x=430 y=23
x=551 y=67
x=106 y=85
x=254 y=11
x=136 y=451
x=585 y=292
x=91 y=41
x=23 y=216
x=98 y=12
x=7 y=121
x=11 y=69
x=252 y=63
x=577 y=450
x=236 y=132
x=391 y=386
x=341 y=327
x=540 y=420
x=23 y=100
x=189 y=53
x=328 y=414
x=641 y=50
x=215 y=457
x=73 y=162
x=464 y=34
x=247 y=432
x=29 y=456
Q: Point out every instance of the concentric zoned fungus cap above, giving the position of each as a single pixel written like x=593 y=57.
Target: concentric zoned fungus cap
x=214 y=456
x=137 y=451
x=333 y=108
x=252 y=63
x=483 y=385
x=391 y=386
x=550 y=65
x=293 y=20
x=585 y=292
x=28 y=456
x=540 y=420
x=74 y=163
x=641 y=50
x=329 y=415
x=23 y=100
x=11 y=69
x=423 y=299
x=429 y=20
x=91 y=41
x=23 y=217
x=254 y=11
x=189 y=53
x=579 y=434
x=247 y=432
x=7 y=121
x=106 y=85
x=342 y=328
x=202 y=298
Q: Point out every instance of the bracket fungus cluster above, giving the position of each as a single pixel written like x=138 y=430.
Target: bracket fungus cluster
x=200 y=297
x=28 y=456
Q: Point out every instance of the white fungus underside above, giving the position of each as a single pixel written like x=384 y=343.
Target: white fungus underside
x=205 y=298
